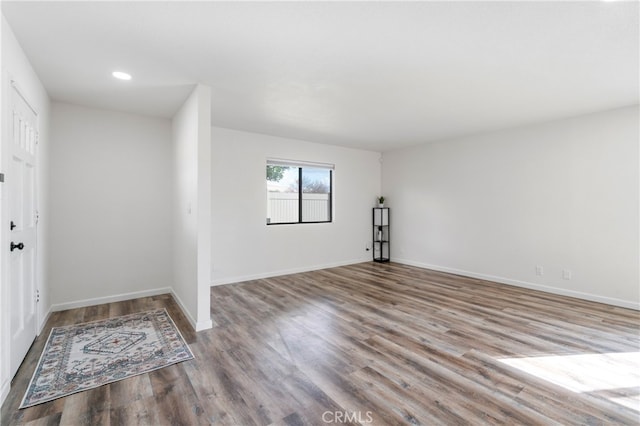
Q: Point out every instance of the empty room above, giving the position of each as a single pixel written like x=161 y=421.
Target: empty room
x=316 y=213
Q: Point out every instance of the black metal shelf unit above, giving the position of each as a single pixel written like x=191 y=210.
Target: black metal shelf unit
x=381 y=234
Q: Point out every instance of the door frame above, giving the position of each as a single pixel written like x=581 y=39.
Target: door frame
x=5 y=381
x=9 y=85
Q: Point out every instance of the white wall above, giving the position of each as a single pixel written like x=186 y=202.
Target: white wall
x=563 y=195
x=16 y=66
x=191 y=139
x=110 y=206
x=244 y=247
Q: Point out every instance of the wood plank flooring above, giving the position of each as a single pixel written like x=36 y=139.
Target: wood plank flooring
x=370 y=343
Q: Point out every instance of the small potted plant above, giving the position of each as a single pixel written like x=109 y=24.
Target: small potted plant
x=380 y=201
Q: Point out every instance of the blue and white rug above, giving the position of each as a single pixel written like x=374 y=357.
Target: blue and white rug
x=84 y=356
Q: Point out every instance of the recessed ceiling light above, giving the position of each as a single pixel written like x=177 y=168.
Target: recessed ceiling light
x=121 y=75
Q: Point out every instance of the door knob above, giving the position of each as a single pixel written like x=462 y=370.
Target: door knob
x=18 y=246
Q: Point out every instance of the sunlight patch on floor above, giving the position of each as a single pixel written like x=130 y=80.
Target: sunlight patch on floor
x=608 y=372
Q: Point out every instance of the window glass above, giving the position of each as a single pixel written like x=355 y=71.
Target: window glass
x=316 y=195
x=298 y=193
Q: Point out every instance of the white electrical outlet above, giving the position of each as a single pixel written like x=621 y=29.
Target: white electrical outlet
x=566 y=274
x=539 y=270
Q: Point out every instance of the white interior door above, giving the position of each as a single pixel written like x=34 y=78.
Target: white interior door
x=21 y=186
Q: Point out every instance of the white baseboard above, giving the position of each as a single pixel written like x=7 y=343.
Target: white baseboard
x=185 y=311
x=242 y=278
x=532 y=286
x=4 y=391
x=203 y=325
x=109 y=299
x=44 y=320
x=197 y=326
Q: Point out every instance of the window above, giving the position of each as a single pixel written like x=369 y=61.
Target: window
x=298 y=192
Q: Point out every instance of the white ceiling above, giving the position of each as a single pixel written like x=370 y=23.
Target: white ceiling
x=374 y=75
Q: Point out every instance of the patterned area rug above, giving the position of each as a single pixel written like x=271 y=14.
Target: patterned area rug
x=81 y=357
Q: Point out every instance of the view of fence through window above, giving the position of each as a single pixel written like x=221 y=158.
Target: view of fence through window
x=298 y=194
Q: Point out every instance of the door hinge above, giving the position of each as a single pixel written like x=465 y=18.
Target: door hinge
x=37 y=296
x=37 y=217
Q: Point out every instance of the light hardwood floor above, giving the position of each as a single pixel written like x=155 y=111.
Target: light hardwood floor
x=382 y=342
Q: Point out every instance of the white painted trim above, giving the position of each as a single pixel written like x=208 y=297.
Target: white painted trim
x=185 y=311
x=4 y=392
x=109 y=299
x=532 y=286
x=243 y=278
x=197 y=326
x=44 y=321
x=202 y=325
